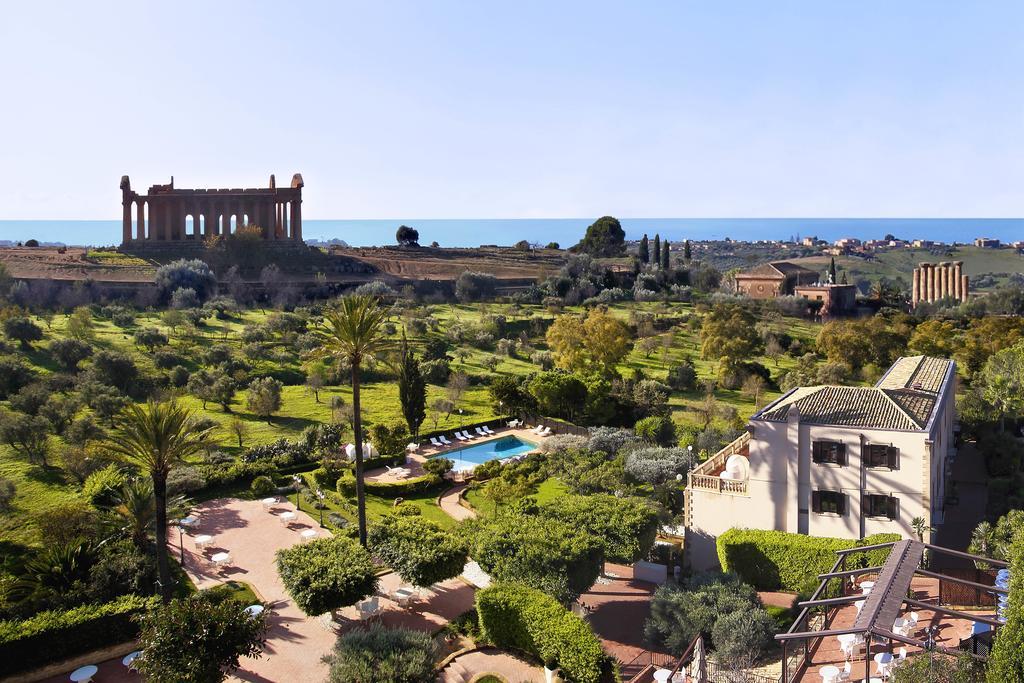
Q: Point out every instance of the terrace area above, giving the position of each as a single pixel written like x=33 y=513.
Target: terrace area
x=861 y=623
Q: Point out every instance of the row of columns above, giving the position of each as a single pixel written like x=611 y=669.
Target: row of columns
x=159 y=219
x=935 y=281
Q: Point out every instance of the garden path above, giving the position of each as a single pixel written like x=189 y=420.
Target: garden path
x=449 y=502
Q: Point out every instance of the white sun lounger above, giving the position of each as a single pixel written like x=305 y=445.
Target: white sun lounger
x=465 y=433
x=480 y=431
x=545 y=432
x=434 y=442
x=459 y=436
x=487 y=430
x=445 y=441
x=538 y=429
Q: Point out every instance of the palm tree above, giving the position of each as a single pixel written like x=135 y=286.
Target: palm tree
x=155 y=437
x=133 y=512
x=355 y=331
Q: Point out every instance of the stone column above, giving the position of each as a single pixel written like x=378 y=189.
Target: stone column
x=126 y=221
x=947 y=273
x=927 y=284
x=957 y=273
x=140 y=220
x=297 y=217
x=963 y=287
x=916 y=289
x=933 y=281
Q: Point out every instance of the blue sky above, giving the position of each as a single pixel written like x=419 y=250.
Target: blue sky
x=524 y=109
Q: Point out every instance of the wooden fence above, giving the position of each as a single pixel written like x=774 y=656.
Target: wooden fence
x=952 y=593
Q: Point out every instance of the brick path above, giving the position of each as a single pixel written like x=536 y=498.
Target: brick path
x=449 y=502
x=513 y=669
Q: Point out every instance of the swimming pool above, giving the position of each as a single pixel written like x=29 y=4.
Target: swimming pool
x=468 y=457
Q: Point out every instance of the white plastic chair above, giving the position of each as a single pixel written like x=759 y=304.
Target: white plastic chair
x=847 y=671
x=902 y=654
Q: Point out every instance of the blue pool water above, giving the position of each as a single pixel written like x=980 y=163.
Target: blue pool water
x=468 y=457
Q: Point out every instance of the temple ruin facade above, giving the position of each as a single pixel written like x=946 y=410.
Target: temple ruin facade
x=936 y=281
x=166 y=215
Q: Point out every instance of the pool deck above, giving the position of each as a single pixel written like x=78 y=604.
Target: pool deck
x=414 y=461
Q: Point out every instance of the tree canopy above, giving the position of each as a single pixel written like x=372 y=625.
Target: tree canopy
x=595 y=343
x=326 y=574
x=418 y=550
x=407 y=237
x=604 y=237
x=729 y=332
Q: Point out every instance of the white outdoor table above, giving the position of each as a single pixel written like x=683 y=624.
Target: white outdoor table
x=254 y=610
x=129 y=660
x=84 y=674
x=309 y=534
x=403 y=595
x=269 y=502
x=866 y=586
x=662 y=675
x=287 y=517
x=203 y=541
x=221 y=558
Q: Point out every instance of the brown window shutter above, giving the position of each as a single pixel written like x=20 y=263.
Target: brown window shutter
x=842 y=503
x=816 y=501
x=892 y=456
x=894 y=507
x=841 y=453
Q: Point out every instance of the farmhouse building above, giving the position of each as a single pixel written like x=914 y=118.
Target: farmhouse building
x=770 y=280
x=835 y=461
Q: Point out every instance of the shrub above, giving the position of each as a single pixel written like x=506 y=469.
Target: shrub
x=262 y=486
x=719 y=605
x=325 y=479
x=682 y=377
x=523 y=618
x=438 y=466
x=346 y=485
x=101 y=486
x=627 y=526
x=200 y=639
x=7 y=491
x=183 y=480
x=391 y=438
x=538 y=551
x=1007 y=660
x=395 y=655
x=192 y=274
x=418 y=550
x=657 y=466
x=475 y=286
x=436 y=371
x=405 y=488
x=55 y=635
x=657 y=429
x=774 y=560
x=326 y=574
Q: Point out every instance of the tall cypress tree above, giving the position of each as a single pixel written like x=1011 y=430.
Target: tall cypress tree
x=656 y=255
x=686 y=251
x=665 y=258
x=832 y=271
x=645 y=253
x=412 y=390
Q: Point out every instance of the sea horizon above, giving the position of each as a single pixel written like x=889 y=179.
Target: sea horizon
x=473 y=232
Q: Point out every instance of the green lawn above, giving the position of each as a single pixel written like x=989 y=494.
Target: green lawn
x=549 y=490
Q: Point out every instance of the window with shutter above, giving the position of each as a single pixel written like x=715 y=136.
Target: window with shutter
x=881 y=455
x=828 y=452
x=828 y=502
x=877 y=505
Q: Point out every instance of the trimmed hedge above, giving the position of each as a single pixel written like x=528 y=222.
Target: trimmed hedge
x=522 y=618
x=1006 y=663
x=778 y=560
x=409 y=487
x=55 y=635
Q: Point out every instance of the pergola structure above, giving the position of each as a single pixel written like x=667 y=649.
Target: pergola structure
x=882 y=604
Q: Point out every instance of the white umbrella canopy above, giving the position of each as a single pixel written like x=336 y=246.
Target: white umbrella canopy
x=368 y=451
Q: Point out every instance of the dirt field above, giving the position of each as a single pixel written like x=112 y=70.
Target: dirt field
x=399 y=264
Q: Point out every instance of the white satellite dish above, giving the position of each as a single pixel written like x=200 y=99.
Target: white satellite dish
x=738 y=467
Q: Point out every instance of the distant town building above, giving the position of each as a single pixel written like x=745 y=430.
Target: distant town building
x=770 y=280
x=167 y=214
x=811 y=241
x=834 y=461
x=848 y=242
x=923 y=244
x=936 y=281
x=835 y=299
x=986 y=243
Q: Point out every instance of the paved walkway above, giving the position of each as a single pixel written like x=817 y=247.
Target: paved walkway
x=971 y=480
x=618 y=607
x=513 y=669
x=449 y=502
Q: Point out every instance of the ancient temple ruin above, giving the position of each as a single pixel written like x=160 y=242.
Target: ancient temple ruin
x=936 y=281
x=167 y=215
